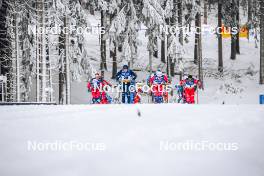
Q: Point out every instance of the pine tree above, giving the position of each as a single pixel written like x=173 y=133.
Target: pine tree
x=153 y=17
x=73 y=61
x=3 y=37
x=12 y=50
x=123 y=31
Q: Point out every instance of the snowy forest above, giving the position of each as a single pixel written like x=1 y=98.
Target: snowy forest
x=73 y=75
x=40 y=64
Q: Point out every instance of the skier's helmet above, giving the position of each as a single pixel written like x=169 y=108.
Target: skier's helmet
x=125 y=67
x=190 y=77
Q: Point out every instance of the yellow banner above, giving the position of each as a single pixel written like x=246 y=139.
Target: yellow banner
x=226 y=33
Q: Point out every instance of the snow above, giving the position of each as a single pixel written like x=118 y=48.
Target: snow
x=132 y=141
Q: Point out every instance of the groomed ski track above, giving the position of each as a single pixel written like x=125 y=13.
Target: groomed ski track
x=133 y=136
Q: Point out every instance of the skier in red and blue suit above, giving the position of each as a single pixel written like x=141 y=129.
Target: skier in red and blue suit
x=188 y=88
x=96 y=87
x=157 y=81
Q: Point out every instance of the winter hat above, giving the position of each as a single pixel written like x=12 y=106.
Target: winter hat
x=125 y=67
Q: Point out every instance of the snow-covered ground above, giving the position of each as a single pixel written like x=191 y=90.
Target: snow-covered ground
x=134 y=137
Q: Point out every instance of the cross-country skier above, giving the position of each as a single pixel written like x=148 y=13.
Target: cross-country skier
x=127 y=78
x=135 y=96
x=157 y=83
x=187 y=89
x=180 y=94
x=97 y=87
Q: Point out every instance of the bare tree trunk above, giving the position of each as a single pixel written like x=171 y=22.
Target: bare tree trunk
x=103 y=65
x=173 y=22
x=37 y=56
x=113 y=52
x=180 y=24
x=166 y=50
x=200 y=62
x=150 y=56
x=134 y=50
x=17 y=59
x=162 y=52
x=233 y=47
x=155 y=53
x=64 y=69
x=91 y=8
x=43 y=49
x=233 y=36
x=220 y=43
x=250 y=14
x=67 y=63
x=261 y=75
x=61 y=85
x=172 y=68
x=169 y=66
x=150 y=63
x=197 y=20
x=205 y=11
x=200 y=50
x=237 y=38
x=61 y=67
x=51 y=96
x=163 y=41
x=49 y=73
x=180 y=21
